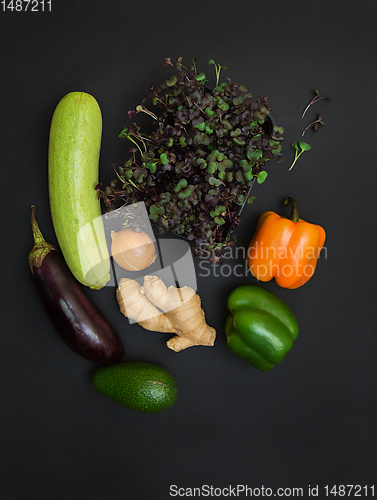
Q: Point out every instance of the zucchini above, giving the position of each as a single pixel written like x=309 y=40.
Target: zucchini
x=73 y=171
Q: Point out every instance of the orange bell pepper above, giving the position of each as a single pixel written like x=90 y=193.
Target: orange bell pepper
x=285 y=249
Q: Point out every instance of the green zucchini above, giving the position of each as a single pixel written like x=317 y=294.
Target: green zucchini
x=73 y=172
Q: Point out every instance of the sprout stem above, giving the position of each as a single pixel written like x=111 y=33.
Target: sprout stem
x=314 y=100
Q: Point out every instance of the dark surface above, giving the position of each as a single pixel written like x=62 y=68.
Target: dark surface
x=309 y=421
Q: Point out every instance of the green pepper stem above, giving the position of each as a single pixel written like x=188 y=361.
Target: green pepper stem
x=294 y=208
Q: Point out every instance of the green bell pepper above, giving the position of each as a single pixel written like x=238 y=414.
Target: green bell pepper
x=260 y=327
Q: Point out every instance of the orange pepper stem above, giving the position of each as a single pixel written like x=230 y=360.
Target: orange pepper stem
x=294 y=208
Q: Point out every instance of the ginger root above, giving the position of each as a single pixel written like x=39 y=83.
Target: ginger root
x=166 y=309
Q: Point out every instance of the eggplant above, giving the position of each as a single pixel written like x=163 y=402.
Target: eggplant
x=78 y=321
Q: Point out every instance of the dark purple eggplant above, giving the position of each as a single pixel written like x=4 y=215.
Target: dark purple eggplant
x=76 y=319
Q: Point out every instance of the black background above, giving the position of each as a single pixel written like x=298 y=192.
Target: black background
x=309 y=421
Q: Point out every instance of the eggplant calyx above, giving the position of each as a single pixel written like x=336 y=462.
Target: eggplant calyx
x=41 y=247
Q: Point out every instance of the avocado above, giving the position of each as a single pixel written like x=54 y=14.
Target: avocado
x=140 y=386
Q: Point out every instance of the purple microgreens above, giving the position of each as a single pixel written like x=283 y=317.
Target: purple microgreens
x=197 y=105
x=168 y=62
x=116 y=173
x=316 y=124
x=314 y=100
x=195 y=169
x=177 y=65
x=98 y=188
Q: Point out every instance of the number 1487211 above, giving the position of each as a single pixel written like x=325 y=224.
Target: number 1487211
x=26 y=5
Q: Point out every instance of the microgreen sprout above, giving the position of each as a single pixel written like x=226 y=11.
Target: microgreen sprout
x=218 y=69
x=127 y=133
x=314 y=100
x=300 y=148
x=142 y=109
x=261 y=177
x=316 y=124
x=164 y=159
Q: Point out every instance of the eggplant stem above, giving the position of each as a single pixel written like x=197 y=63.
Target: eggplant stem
x=41 y=248
x=37 y=235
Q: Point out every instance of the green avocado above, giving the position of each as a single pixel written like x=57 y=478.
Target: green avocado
x=140 y=386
